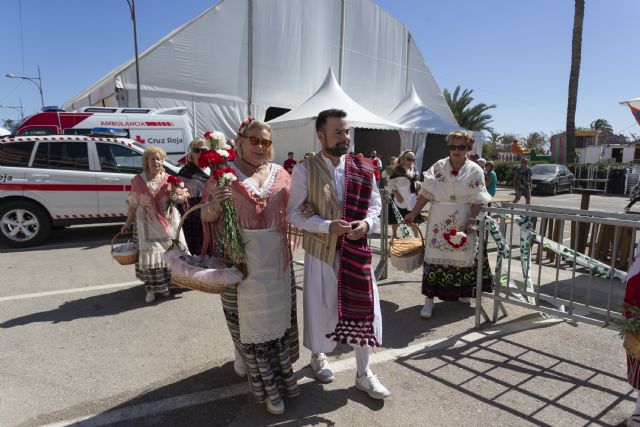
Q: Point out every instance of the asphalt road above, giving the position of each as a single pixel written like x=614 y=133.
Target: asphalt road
x=78 y=345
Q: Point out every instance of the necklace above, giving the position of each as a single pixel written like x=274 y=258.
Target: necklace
x=251 y=164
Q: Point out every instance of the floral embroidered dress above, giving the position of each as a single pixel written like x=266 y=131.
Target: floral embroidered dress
x=261 y=310
x=155 y=225
x=449 y=261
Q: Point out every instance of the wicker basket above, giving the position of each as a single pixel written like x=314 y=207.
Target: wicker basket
x=631 y=343
x=219 y=275
x=127 y=256
x=407 y=254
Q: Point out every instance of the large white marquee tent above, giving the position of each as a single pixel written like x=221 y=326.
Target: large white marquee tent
x=242 y=57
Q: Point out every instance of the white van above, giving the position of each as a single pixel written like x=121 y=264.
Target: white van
x=167 y=128
x=59 y=180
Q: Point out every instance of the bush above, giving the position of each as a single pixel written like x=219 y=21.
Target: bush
x=504 y=172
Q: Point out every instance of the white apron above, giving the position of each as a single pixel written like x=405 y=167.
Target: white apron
x=264 y=297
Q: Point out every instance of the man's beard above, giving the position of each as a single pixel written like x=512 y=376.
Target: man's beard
x=340 y=149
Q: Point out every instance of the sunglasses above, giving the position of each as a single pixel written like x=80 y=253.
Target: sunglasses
x=254 y=140
x=410 y=159
x=461 y=147
x=200 y=149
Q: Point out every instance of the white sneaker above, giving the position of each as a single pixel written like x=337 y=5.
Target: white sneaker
x=426 y=311
x=166 y=294
x=275 y=409
x=371 y=385
x=239 y=366
x=151 y=297
x=321 y=369
x=464 y=301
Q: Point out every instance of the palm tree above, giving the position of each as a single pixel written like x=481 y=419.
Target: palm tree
x=574 y=75
x=468 y=117
x=494 y=137
x=601 y=125
x=535 y=141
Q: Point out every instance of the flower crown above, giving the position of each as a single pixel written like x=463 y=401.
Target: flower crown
x=243 y=126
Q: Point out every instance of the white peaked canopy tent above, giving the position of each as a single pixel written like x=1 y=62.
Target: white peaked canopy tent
x=241 y=57
x=419 y=121
x=295 y=130
x=3 y=131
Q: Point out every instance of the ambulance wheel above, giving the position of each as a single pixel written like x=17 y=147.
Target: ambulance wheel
x=23 y=224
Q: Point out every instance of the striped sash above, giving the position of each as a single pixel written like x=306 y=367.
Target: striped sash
x=355 y=288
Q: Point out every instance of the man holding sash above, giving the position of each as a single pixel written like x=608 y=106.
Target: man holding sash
x=341 y=301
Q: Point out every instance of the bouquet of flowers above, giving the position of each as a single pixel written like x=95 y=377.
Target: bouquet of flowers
x=217 y=159
x=456 y=239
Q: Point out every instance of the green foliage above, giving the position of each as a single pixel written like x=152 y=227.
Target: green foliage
x=602 y=125
x=469 y=117
x=8 y=123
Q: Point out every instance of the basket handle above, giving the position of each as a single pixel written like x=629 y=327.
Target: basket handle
x=413 y=227
x=176 y=240
x=114 y=239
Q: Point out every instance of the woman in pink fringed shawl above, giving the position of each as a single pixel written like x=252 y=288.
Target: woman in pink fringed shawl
x=154 y=217
x=261 y=310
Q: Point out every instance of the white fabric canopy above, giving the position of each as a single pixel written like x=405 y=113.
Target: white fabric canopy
x=3 y=131
x=331 y=95
x=240 y=57
x=412 y=113
x=295 y=130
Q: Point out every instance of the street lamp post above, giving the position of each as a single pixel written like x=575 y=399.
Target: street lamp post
x=18 y=109
x=132 y=8
x=35 y=80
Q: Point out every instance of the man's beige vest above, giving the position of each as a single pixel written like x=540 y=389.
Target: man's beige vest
x=322 y=195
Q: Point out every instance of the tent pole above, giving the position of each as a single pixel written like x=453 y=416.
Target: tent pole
x=406 y=71
x=342 y=25
x=250 y=59
x=195 y=118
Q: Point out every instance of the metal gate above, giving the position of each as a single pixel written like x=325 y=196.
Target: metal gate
x=580 y=265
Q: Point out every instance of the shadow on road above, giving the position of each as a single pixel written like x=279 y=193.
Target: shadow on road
x=93 y=306
x=81 y=237
x=212 y=408
x=402 y=327
x=522 y=380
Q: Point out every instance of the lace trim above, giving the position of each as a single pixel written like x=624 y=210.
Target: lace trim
x=264 y=338
x=251 y=185
x=449 y=261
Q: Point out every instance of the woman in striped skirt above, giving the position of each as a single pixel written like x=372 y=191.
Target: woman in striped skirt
x=261 y=310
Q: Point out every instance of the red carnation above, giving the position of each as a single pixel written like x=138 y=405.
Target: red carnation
x=210 y=157
x=207 y=134
x=174 y=180
x=232 y=154
x=453 y=231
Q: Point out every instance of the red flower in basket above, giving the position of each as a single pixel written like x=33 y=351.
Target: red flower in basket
x=456 y=239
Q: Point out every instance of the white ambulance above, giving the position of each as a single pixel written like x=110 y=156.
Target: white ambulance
x=166 y=128
x=58 y=180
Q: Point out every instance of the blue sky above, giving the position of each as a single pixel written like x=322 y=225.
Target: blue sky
x=515 y=54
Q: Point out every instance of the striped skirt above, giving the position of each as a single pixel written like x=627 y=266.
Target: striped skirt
x=156 y=280
x=269 y=364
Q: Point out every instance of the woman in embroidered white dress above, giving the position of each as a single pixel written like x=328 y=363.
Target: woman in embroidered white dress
x=261 y=310
x=152 y=205
x=455 y=186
